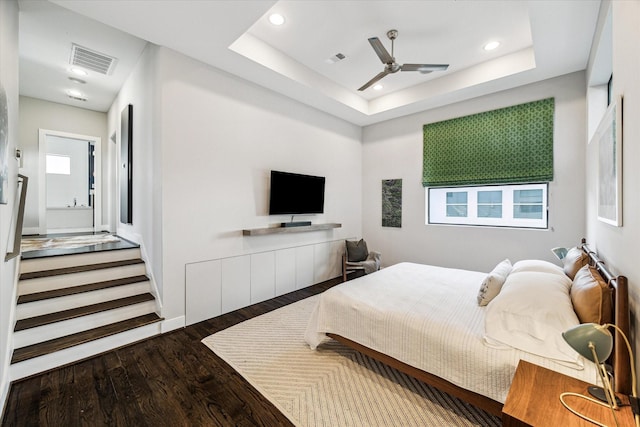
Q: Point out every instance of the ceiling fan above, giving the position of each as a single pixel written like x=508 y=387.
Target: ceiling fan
x=390 y=65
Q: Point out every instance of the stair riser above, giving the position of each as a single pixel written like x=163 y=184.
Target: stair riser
x=82 y=351
x=39 y=308
x=48 y=263
x=49 y=283
x=59 y=329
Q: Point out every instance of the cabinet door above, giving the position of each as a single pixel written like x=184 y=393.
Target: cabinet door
x=327 y=260
x=203 y=291
x=263 y=273
x=285 y=271
x=236 y=283
x=304 y=266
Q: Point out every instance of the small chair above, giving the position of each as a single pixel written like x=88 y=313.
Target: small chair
x=357 y=257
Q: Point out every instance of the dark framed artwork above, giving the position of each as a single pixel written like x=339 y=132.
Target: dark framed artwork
x=126 y=162
x=392 y=203
x=4 y=144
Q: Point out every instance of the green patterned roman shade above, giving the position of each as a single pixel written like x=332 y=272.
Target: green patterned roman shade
x=505 y=146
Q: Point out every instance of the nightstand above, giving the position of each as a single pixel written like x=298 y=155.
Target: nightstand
x=534 y=400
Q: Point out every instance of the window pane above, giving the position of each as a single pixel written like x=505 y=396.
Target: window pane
x=527 y=196
x=527 y=211
x=489 y=211
x=57 y=164
x=457 y=197
x=457 y=210
x=490 y=197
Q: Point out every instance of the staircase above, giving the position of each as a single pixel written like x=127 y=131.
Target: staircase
x=76 y=305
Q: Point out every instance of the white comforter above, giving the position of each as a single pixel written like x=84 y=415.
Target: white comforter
x=426 y=317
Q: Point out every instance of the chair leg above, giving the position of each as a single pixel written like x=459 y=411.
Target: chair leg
x=344 y=268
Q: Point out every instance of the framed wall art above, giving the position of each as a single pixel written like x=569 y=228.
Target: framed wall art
x=392 y=203
x=608 y=138
x=126 y=160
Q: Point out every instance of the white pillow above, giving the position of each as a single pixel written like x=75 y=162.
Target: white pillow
x=530 y=313
x=573 y=261
x=537 y=265
x=492 y=284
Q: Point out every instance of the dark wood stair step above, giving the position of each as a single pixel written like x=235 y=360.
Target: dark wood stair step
x=46 y=319
x=40 y=296
x=51 y=346
x=79 y=268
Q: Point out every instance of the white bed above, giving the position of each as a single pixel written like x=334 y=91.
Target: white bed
x=428 y=317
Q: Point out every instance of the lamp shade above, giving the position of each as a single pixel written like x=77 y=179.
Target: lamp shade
x=560 y=253
x=582 y=335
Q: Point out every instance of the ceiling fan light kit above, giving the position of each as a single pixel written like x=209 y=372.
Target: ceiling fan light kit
x=390 y=64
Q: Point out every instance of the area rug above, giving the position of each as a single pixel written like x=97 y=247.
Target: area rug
x=333 y=386
x=65 y=242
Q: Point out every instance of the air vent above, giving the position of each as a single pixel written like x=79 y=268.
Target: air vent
x=92 y=60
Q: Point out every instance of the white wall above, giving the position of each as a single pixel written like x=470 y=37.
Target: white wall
x=9 y=81
x=393 y=149
x=143 y=92
x=39 y=114
x=618 y=246
x=215 y=140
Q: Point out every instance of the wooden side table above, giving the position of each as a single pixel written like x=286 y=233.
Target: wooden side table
x=534 y=400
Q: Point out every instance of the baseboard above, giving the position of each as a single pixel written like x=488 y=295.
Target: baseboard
x=70 y=230
x=173 y=324
x=35 y=231
x=126 y=233
x=30 y=231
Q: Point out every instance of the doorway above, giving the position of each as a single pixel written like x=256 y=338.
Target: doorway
x=69 y=182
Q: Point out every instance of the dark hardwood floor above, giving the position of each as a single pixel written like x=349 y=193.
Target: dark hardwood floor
x=169 y=380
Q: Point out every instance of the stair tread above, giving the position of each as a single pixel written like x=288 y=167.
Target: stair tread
x=80 y=268
x=47 y=347
x=40 y=296
x=59 y=316
x=123 y=244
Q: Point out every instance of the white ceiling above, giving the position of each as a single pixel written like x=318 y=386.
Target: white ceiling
x=539 y=40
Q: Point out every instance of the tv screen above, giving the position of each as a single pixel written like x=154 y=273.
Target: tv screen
x=293 y=193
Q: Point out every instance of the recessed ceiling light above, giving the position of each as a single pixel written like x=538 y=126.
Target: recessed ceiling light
x=378 y=87
x=75 y=93
x=491 y=45
x=276 y=19
x=79 y=71
x=77 y=80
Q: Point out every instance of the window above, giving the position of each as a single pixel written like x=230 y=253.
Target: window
x=58 y=164
x=457 y=204
x=490 y=204
x=518 y=205
x=528 y=204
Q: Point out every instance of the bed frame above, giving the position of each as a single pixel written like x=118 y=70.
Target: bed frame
x=619 y=358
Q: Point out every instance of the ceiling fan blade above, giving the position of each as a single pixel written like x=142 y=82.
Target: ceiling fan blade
x=382 y=53
x=374 y=80
x=424 y=68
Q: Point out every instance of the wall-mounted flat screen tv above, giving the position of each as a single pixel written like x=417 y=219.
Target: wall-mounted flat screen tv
x=293 y=193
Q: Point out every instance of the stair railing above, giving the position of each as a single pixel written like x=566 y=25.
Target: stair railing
x=17 y=233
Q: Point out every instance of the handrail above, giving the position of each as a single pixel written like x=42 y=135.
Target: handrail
x=17 y=236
